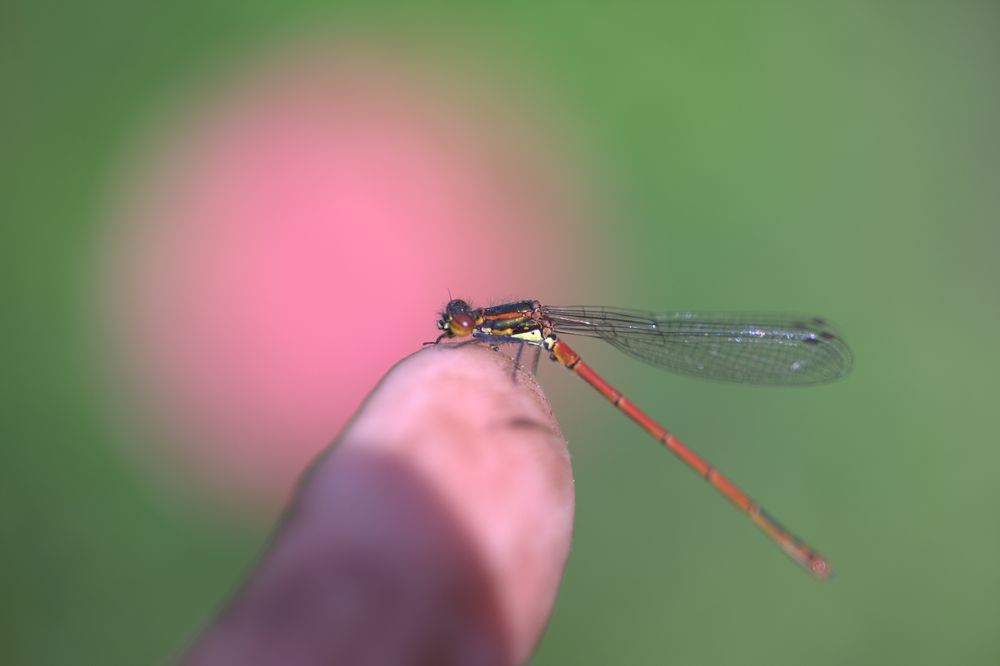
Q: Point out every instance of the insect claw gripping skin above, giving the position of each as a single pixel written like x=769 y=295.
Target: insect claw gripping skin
x=758 y=349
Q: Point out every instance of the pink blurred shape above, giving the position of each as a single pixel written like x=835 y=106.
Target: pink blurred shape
x=294 y=235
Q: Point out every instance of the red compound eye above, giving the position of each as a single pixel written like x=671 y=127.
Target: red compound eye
x=461 y=325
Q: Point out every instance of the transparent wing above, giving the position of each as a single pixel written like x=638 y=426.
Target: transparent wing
x=750 y=348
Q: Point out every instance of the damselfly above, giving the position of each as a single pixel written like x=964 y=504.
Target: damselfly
x=775 y=349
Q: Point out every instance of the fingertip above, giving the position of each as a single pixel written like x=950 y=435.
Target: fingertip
x=484 y=438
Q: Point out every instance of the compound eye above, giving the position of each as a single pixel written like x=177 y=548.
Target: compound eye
x=461 y=325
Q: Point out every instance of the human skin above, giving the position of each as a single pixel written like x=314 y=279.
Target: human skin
x=434 y=530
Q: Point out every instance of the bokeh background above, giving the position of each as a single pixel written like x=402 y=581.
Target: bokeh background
x=224 y=221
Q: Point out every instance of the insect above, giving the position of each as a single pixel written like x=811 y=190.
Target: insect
x=773 y=349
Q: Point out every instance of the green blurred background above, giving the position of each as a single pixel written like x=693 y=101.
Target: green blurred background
x=841 y=159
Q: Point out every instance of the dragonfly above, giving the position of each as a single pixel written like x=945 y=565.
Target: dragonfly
x=748 y=348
